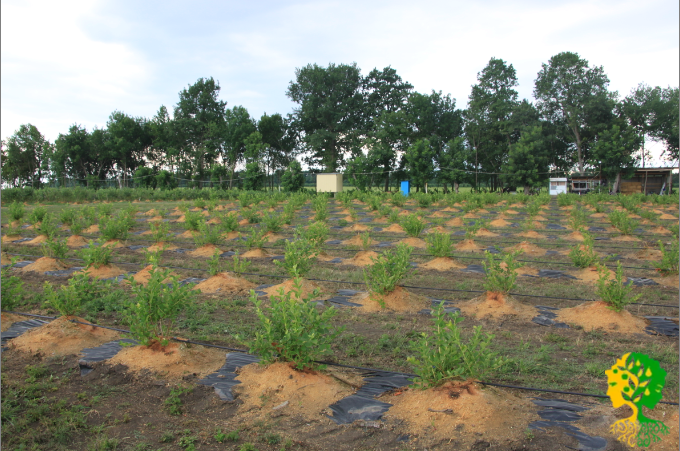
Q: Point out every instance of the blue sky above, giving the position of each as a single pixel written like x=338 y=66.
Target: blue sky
x=77 y=61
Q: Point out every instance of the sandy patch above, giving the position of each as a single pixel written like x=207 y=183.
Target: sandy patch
x=455 y=222
x=144 y=275
x=356 y=241
x=256 y=253
x=647 y=254
x=103 y=272
x=4 y=259
x=362 y=258
x=161 y=245
x=173 y=361
x=494 y=305
x=308 y=288
x=527 y=248
x=470 y=216
x=394 y=228
x=590 y=275
x=669 y=281
x=38 y=240
x=667 y=216
x=399 y=300
x=500 y=222
x=467 y=245
x=414 y=242
x=596 y=315
x=574 y=236
x=485 y=232
x=531 y=234
x=76 y=241
x=10 y=238
x=273 y=237
x=442 y=264
x=625 y=238
x=44 y=264
x=660 y=231
x=439 y=214
x=206 y=251
x=188 y=234
x=113 y=243
x=225 y=282
x=62 y=337
x=358 y=228
x=92 y=229
x=10 y=318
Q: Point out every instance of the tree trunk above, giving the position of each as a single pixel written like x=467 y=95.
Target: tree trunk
x=387 y=182
x=579 y=152
x=526 y=189
x=455 y=187
x=617 y=182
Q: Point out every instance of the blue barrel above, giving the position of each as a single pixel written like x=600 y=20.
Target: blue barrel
x=406 y=187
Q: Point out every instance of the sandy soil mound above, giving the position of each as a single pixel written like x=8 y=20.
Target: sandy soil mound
x=362 y=258
x=214 y=221
x=152 y=212
x=188 y=234
x=273 y=237
x=625 y=238
x=647 y=254
x=62 y=337
x=455 y=222
x=182 y=218
x=225 y=282
x=660 y=231
x=38 y=240
x=511 y=212
x=499 y=223
x=527 y=248
x=206 y=251
x=669 y=281
x=531 y=234
x=439 y=214
x=230 y=235
x=442 y=264
x=10 y=318
x=598 y=215
x=539 y=218
x=144 y=275
x=470 y=216
x=160 y=245
x=495 y=306
x=356 y=241
x=467 y=245
x=113 y=243
x=92 y=229
x=358 y=228
x=590 y=275
x=324 y=257
x=76 y=241
x=485 y=232
x=461 y=411
x=574 y=236
x=437 y=229
x=308 y=288
x=44 y=264
x=10 y=238
x=414 y=242
x=399 y=300
x=155 y=219
x=256 y=253
x=307 y=393
x=173 y=361
x=596 y=315
x=5 y=260
x=103 y=272
x=667 y=216
x=394 y=228
x=451 y=210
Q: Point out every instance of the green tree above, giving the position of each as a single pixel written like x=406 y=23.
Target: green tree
x=280 y=142
x=293 y=179
x=26 y=157
x=128 y=141
x=239 y=126
x=615 y=150
x=419 y=162
x=453 y=163
x=330 y=117
x=567 y=90
x=360 y=171
x=666 y=122
x=527 y=163
x=80 y=154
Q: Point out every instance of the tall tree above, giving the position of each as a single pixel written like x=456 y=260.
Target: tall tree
x=200 y=122
x=667 y=118
x=239 y=126
x=128 y=141
x=279 y=141
x=164 y=149
x=614 y=151
x=528 y=160
x=419 y=162
x=330 y=117
x=81 y=154
x=489 y=126
x=453 y=163
x=569 y=91
x=26 y=155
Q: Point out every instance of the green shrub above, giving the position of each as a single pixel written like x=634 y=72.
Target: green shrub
x=239 y=265
x=393 y=217
x=68 y=215
x=398 y=199
x=388 y=269
x=424 y=200
x=37 y=215
x=438 y=244
x=621 y=221
x=565 y=200
x=105 y=209
x=445 y=355
x=669 y=258
x=48 y=226
x=54 y=248
x=160 y=231
x=374 y=202
x=96 y=254
x=152 y=311
x=11 y=287
x=316 y=233
x=298 y=257
x=214 y=266
x=253 y=216
x=583 y=255
x=472 y=228
x=229 y=222
x=577 y=219
x=192 y=220
x=500 y=273
x=365 y=241
x=72 y=298
x=16 y=211
x=114 y=228
x=153 y=258
x=255 y=239
x=293 y=330
x=533 y=208
x=384 y=211
x=273 y=222
x=413 y=225
x=320 y=207
x=207 y=234
x=77 y=226
x=615 y=293
x=200 y=203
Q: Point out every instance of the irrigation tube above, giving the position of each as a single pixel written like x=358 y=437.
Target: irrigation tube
x=493 y=384
x=453 y=290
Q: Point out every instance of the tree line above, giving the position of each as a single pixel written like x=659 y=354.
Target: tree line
x=373 y=127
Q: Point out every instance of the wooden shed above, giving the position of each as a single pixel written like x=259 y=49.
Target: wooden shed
x=648 y=181
x=584 y=182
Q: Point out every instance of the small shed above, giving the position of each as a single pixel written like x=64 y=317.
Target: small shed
x=406 y=187
x=648 y=181
x=558 y=185
x=329 y=183
x=584 y=182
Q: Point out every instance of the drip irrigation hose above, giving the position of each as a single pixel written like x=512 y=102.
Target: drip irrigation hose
x=454 y=290
x=374 y=370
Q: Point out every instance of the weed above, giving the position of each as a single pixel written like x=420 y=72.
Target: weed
x=501 y=273
x=153 y=310
x=232 y=436
x=298 y=257
x=583 y=255
x=413 y=225
x=247 y=447
x=615 y=293
x=438 y=244
x=669 y=258
x=445 y=356
x=173 y=402
x=167 y=437
x=388 y=269
x=96 y=254
x=291 y=330
x=272 y=438
x=103 y=443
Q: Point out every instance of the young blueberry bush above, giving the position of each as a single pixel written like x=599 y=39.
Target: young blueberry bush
x=413 y=225
x=500 y=272
x=438 y=244
x=293 y=330
x=445 y=355
x=583 y=255
x=616 y=292
x=72 y=298
x=388 y=269
x=298 y=258
x=54 y=248
x=16 y=211
x=669 y=258
x=96 y=254
x=11 y=287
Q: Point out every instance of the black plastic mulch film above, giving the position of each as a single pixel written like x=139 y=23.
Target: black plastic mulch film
x=377 y=381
